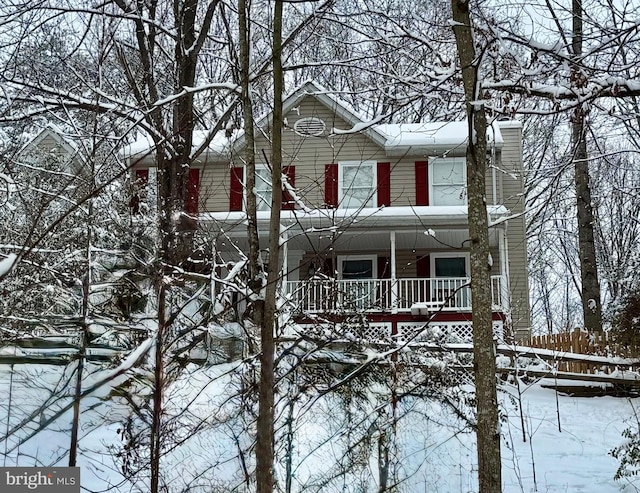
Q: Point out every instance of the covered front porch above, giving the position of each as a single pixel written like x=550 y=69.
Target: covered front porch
x=415 y=271
x=418 y=296
x=380 y=261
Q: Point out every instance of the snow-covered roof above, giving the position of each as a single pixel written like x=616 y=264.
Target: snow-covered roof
x=144 y=145
x=396 y=139
x=424 y=137
x=55 y=133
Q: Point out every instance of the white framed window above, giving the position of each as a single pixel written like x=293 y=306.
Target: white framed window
x=357 y=184
x=263 y=188
x=449 y=264
x=357 y=267
x=448 y=183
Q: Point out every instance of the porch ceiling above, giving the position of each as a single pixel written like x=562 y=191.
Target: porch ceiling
x=371 y=240
x=415 y=239
x=380 y=240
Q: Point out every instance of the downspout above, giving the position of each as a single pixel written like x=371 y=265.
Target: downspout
x=394 y=282
x=494 y=179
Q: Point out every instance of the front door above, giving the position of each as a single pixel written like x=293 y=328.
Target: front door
x=357 y=280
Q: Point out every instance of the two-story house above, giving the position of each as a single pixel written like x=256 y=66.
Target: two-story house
x=375 y=216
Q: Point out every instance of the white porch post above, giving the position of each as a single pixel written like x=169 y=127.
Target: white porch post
x=214 y=264
x=285 y=258
x=503 y=248
x=394 y=282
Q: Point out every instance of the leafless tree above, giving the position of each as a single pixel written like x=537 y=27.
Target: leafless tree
x=484 y=362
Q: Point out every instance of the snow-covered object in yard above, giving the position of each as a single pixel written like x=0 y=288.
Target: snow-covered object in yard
x=6 y=264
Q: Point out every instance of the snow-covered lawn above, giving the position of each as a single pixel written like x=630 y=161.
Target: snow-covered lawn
x=433 y=451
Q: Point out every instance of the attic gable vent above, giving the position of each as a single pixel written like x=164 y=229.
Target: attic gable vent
x=309 y=127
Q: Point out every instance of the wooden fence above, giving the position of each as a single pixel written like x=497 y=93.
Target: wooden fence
x=582 y=342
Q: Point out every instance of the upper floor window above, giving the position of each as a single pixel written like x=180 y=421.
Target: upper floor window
x=263 y=188
x=144 y=183
x=448 y=181
x=357 y=184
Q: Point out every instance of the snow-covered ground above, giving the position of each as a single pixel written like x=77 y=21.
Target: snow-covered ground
x=432 y=450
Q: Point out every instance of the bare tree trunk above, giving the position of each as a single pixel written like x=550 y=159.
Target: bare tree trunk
x=484 y=364
x=175 y=237
x=255 y=269
x=84 y=339
x=84 y=330
x=383 y=461
x=289 y=447
x=264 y=446
x=158 y=388
x=264 y=438
x=591 y=302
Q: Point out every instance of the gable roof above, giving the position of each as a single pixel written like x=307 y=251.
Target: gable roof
x=54 y=133
x=396 y=139
x=334 y=104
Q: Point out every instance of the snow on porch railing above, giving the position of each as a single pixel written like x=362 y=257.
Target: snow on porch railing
x=332 y=295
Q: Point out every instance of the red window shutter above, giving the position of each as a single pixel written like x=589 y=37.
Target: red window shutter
x=422 y=183
x=140 y=182
x=288 y=204
x=331 y=185
x=236 y=188
x=193 y=191
x=384 y=184
x=423 y=266
x=384 y=268
x=142 y=178
x=328 y=268
x=423 y=271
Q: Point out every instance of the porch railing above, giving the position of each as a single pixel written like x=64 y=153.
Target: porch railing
x=395 y=295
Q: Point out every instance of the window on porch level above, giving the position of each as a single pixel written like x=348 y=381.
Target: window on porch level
x=357 y=267
x=450 y=266
x=450 y=269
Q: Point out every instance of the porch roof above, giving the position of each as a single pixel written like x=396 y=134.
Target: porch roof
x=386 y=218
